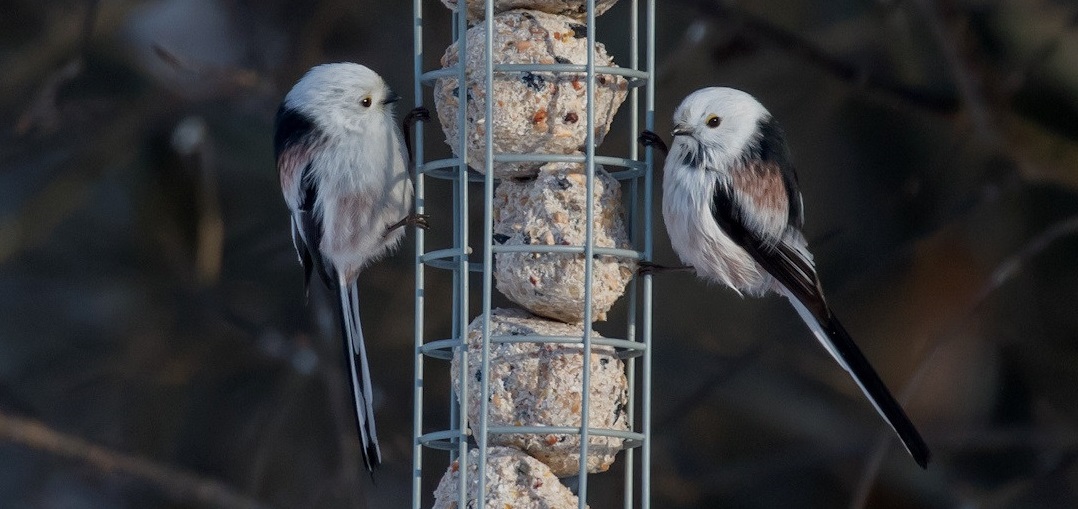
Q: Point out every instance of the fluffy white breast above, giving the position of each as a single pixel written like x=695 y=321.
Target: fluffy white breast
x=699 y=161
x=688 y=195
x=365 y=188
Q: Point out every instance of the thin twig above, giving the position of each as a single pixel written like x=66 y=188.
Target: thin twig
x=272 y=430
x=43 y=113
x=813 y=53
x=335 y=382
x=884 y=438
x=1018 y=79
x=968 y=90
x=224 y=76
x=1011 y=266
x=1004 y=272
x=87 y=35
x=182 y=486
x=333 y=378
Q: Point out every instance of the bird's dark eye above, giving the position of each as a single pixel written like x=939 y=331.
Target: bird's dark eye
x=366 y=102
x=713 y=121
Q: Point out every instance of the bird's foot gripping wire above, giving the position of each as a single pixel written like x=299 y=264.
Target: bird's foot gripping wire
x=417 y=220
x=418 y=114
x=650 y=139
x=651 y=268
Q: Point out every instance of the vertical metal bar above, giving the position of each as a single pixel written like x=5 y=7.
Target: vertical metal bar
x=488 y=255
x=417 y=366
x=454 y=406
x=460 y=199
x=633 y=223
x=645 y=403
x=589 y=262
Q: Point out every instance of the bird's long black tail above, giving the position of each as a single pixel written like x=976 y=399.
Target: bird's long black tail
x=359 y=375
x=838 y=342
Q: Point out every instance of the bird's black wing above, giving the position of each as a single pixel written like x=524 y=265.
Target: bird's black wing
x=794 y=272
x=310 y=229
x=770 y=147
x=746 y=197
x=295 y=139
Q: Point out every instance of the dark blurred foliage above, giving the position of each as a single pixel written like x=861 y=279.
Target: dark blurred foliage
x=159 y=351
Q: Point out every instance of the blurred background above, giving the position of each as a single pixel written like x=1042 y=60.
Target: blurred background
x=158 y=350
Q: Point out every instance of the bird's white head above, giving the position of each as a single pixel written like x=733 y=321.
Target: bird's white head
x=714 y=126
x=342 y=97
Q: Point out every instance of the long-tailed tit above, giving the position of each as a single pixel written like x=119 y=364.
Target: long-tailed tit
x=345 y=177
x=734 y=214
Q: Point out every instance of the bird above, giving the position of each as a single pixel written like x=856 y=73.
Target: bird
x=734 y=215
x=345 y=177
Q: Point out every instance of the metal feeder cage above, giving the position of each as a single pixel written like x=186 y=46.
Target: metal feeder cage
x=467 y=255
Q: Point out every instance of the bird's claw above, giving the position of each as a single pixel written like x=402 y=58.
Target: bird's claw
x=652 y=268
x=420 y=220
x=653 y=140
x=646 y=268
x=417 y=114
x=417 y=220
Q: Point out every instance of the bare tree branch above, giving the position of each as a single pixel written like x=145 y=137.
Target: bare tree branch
x=885 y=437
x=811 y=52
x=180 y=485
x=968 y=89
x=1019 y=78
x=92 y=8
x=1011 y=266
x=43 y=112
x=1004 y=272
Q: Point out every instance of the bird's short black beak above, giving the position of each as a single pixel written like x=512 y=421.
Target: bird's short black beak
x=391 y=98
x=681 y=130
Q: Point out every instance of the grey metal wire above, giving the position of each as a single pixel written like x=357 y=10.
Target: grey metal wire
x=456 y=259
